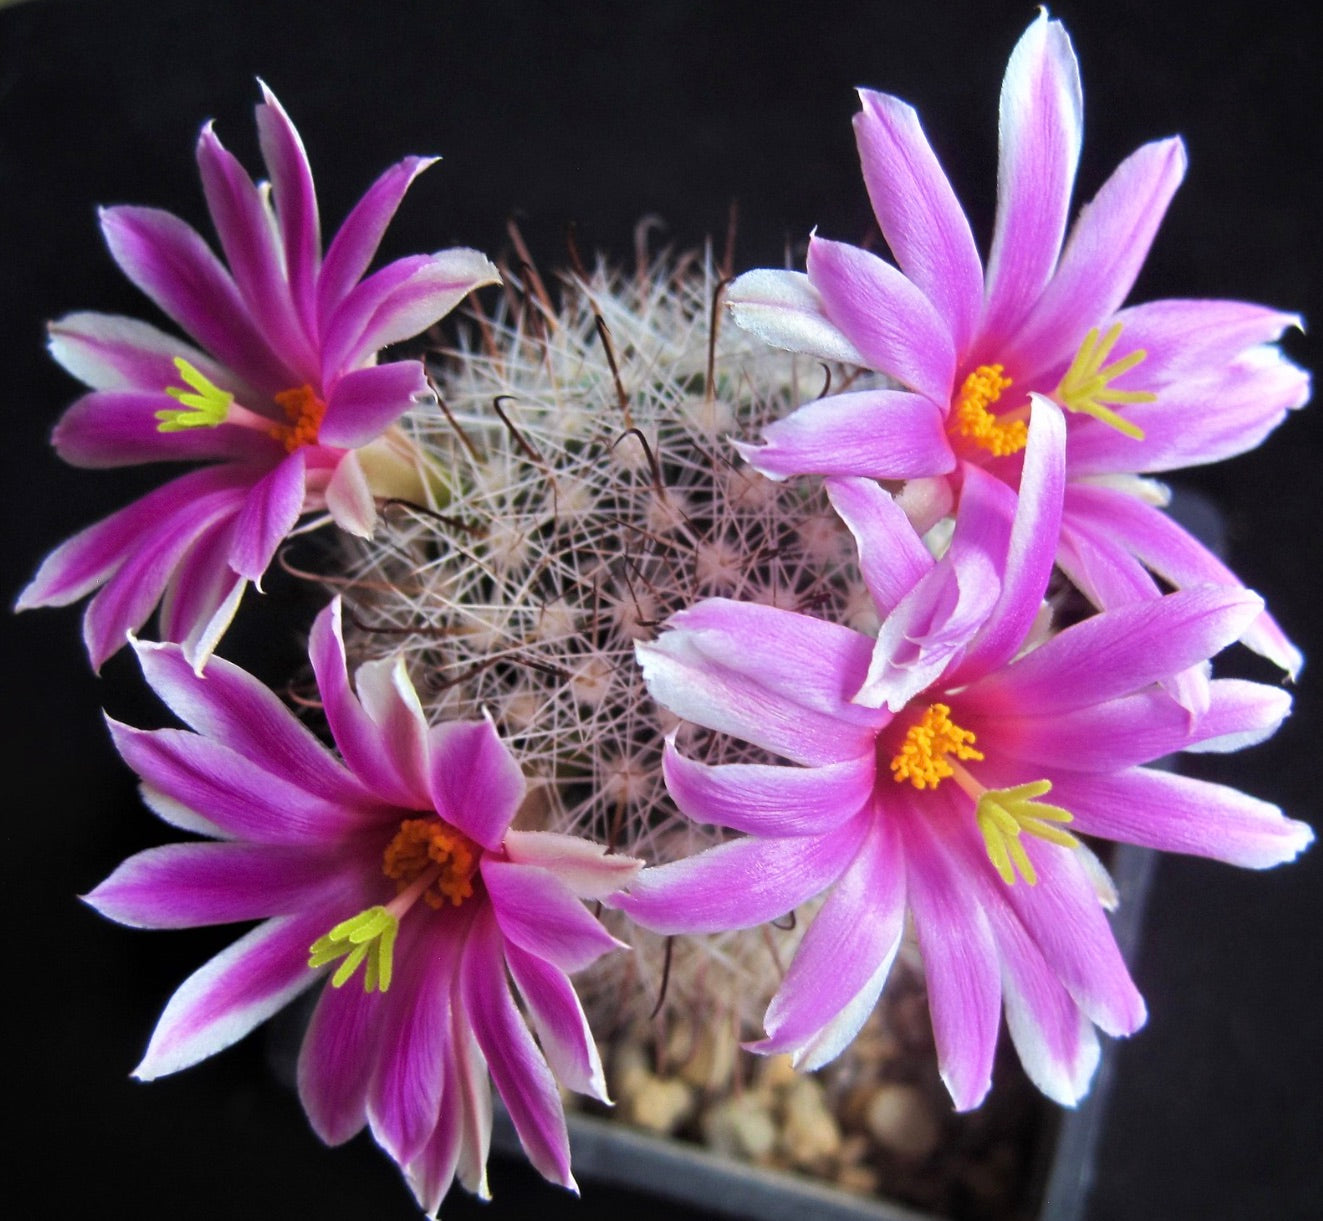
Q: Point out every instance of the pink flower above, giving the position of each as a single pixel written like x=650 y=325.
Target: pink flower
x=280 y=391
x=1148 y=388
x=400 y=865
x=921 y=768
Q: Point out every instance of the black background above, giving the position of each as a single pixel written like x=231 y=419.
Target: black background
x=598 y=114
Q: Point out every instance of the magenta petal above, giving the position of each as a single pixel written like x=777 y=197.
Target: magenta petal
x=111 y=352
x=357 y=737
x=225 y=787
x=364 y=403
x=892 y=557
x=202 y=596
x=896 y=328
x=562 y=1029
x=765 y=799
x=476 y=783
x=959 y=959
x=879 y=434
x=239 y=988
x=930 y=628
x=538 y=913
x=187 y=885
x=400 y=301
x=353 y=247
x=119 y=428
x=918 y=212
x=474 y=1101
x=336 y=1061
x=408 y=1088
x=1056 y=1043
x=845 y=957
x=269 y=513
x=784 y=310
x=1041 y=124
x=741 y=883
x=1062 y=915
x=432 y=1172
x=1181 y=814
x=1201 y=419
x=771 y=677
x=1139 y=728
x=169 y=262
x=399 y=724
x=521 y=1074
x=1119 y=651
x=1107 y=247
x=243 y=224
x=87 y=560
x=1032 y=546
x=1189 y=338
x=232 y=707
x=296 y=203
x=1176 y=556
x=152 y=561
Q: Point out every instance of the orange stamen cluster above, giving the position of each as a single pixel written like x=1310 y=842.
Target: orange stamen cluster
x=424 y=844
x=972 y=418
x=922 y=756
x=304 y=410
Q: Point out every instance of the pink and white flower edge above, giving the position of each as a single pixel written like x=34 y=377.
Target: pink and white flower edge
x=334 y=857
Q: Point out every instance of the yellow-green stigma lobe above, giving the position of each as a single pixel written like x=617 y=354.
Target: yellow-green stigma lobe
x=1087 y=386
x=922 y=758
x=1004 y=814
x=369 y=936
x=972 y=419
x=203 y=404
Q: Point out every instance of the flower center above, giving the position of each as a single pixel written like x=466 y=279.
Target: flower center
x=922 y=758
x=428 y=846
x=304 y=410
x=1087 y=387
x=932 y=751
x=999 y=436
x=203 y=404
x=429 y=860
